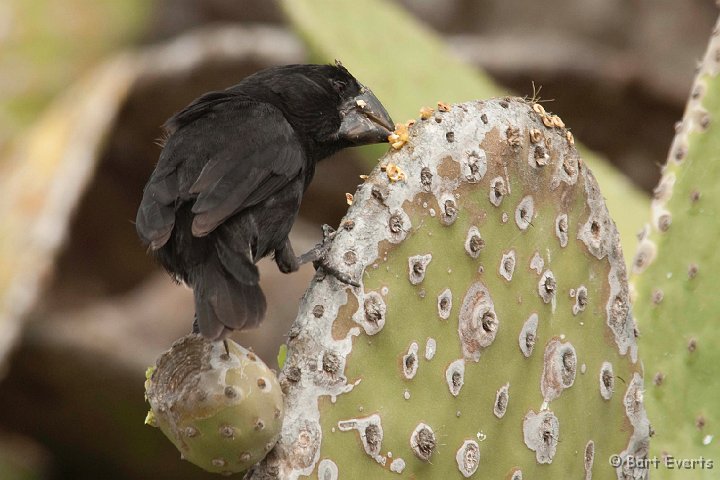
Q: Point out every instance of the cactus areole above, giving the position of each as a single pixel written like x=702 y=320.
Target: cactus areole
x=491 y=336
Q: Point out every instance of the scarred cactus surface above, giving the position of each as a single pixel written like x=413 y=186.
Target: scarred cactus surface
x=491 y=336
x=223 y=412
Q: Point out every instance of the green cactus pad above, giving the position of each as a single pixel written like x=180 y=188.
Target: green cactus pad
x=223 y=412
x=491 y=336
x=674 y=292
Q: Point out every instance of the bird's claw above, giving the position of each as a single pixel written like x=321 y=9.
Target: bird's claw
x=341 y=276
x=318 y=256
x=196 y=331
x=328 y=233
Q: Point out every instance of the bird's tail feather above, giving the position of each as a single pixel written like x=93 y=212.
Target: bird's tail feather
x=223 y=303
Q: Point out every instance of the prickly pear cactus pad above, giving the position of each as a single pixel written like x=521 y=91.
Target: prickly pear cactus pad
x=491 y=336
x=223 y=412
x=675 y=286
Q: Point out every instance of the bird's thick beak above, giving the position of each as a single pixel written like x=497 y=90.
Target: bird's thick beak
x=365 y=120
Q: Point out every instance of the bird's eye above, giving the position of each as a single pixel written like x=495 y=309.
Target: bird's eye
x=339 y=86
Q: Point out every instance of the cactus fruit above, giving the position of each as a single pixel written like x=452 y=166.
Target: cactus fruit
x=491 y=335
x=223 y=412
x=675 y=299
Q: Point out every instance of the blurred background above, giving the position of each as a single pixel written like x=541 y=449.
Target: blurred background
x=84 y=88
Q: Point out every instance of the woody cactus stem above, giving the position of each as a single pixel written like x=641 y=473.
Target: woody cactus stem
x=491 y=336
x=675 y=286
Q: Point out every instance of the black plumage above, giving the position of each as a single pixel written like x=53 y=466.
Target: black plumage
x=232 y=173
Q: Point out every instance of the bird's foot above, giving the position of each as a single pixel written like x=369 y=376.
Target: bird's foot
x=341 y=276
x=285 y=258
x=196 y=331
x=318 y=256
x=320 y=250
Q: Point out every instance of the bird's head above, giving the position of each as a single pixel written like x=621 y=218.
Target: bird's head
x=363 y=119
x=327 y=104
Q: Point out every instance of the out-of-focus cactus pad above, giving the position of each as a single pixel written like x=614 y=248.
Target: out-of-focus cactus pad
x=675 y=294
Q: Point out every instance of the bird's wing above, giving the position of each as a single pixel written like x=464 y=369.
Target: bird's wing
x=258 y=156
x=156 y=215
x=232 y=155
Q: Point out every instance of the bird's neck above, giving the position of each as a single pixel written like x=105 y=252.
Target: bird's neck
x=319 y=151
x=322 y=150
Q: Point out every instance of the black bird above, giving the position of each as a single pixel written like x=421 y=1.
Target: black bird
x=233 y=169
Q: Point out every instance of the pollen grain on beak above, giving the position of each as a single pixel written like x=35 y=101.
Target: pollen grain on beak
x=361 y=103
x=349 y=198
x=400 y=136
